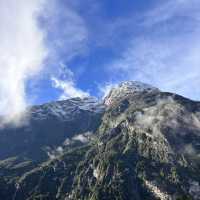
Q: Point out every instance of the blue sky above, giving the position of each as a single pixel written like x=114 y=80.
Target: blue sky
x=104 y=29
x=67 y=48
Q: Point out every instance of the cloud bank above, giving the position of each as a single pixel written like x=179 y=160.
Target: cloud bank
x=32 y=32
x=22 y=52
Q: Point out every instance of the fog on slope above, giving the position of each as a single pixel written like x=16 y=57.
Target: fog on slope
x=22 y=52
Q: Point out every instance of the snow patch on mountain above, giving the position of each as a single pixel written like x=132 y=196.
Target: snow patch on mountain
x=64 y=110
x=127 y=88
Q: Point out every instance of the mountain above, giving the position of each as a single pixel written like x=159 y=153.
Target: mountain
x=139 y=143
x=49 y=125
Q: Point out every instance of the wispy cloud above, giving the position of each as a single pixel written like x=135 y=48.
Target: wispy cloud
x=66 y=31
x=104 y=89
x=66 y=84
x=68 y=88
x=66 y=38
x=166 y=54
x=22 y=52
x=165 y=11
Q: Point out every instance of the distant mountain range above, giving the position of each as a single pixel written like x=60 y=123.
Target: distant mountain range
x=139 y=143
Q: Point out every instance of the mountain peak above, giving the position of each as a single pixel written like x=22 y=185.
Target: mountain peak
x=127 y=88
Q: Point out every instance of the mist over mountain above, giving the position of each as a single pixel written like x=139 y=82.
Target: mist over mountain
x=139 y=143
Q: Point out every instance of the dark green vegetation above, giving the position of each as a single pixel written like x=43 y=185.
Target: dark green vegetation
x=143 y=146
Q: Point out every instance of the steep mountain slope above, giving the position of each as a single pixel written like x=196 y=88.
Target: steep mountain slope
x=49 y=125
x=142 y=144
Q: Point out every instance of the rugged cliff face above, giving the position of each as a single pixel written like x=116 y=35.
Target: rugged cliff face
x=140 y=144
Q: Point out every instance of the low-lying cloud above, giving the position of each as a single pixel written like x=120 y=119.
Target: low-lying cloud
x=22 y=53
x=31 y=32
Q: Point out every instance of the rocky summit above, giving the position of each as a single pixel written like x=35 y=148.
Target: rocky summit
x=139 y=143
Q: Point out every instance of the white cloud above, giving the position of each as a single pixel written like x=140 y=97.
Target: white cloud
x=104 y=89
x=67 y=37
x=167 y=53
x=66 y=83
x=22 y=52
x=66 y=31
x=25 y=45
x=69 y=89
x=81 y=137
